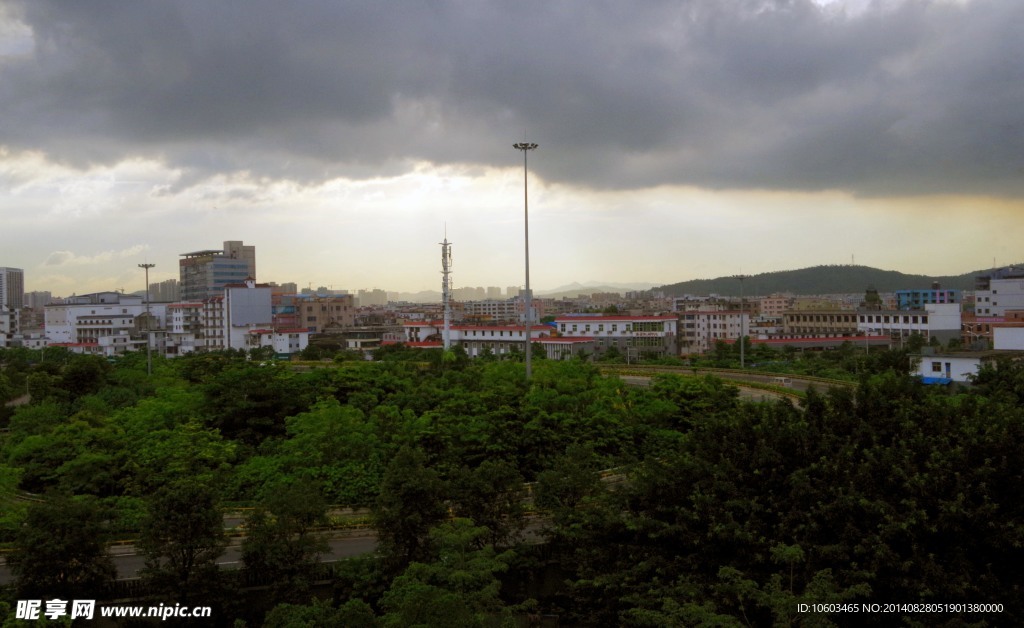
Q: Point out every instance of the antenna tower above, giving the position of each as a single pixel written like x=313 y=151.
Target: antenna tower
x=446 y=291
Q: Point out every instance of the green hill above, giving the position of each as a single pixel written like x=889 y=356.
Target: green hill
x=821 y=280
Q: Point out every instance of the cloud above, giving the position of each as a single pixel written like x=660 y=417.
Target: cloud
x=899 y=97
x=68 y=258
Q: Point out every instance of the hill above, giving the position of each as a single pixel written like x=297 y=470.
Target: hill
x=835 y=279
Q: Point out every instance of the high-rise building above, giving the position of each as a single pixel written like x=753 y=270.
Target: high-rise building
x=165 y=291
x=205 y=273
x=37 y=300
x=12 y=288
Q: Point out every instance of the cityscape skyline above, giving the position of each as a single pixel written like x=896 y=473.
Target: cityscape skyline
x=676 y=141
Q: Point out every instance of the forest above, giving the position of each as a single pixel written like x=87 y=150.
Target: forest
x=574 y=500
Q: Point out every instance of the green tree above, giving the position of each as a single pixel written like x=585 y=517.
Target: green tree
x=411 y=501
x=459 y=588
x=60 y=552
x=182 y=537
x=281 y=543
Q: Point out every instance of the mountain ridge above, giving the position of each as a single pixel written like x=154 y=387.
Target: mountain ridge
x=824 y=279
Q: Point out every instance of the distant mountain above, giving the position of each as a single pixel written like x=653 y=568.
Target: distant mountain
x=839 y=279
x=575 y=289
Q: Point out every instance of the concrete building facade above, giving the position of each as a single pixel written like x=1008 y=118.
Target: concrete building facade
x=12 y=288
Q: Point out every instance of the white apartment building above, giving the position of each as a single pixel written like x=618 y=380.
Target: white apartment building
x=282 y=341
x=700 y=330
x=937 y=320
x=8 y=326
x=634 y=336
x=102 y=323
x=246 y=307
x=996 y=295
x=474 y=339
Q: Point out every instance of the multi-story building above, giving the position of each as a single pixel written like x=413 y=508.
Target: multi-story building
x=9 y=326
x=917 y=299
x=775 y=305
x=372 y=297
x=203 y=274
x=282 y=341
x=102 y=323
x=998 y=292
x=941 y=321
x=634 y=336
x=247 y=306
x=508 y=310
x=37 y=300
x=700 y=330
x=819 y=323
x=184 y=328
x=12 y=288
x=166 y=291
x=321 y=314
x=475 y=339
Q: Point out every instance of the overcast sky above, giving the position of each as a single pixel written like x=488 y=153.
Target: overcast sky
x=678 y=140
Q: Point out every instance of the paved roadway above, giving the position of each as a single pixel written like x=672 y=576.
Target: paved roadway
x=129 y=563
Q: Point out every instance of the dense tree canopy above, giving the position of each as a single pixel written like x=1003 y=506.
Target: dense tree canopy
x=671 y=503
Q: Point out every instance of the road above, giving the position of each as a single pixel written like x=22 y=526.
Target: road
x=129 y=562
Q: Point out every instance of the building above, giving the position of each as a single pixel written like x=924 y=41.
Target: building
x=203 y=274
x=636 y=337
x=12 y=288
x=917 y=299
x=322 y=314
x=960 y=367
x=166 y=291
x=376 y=296
x=38 y=300
x=247 y=306
x=282 y=341
x=9 y=326
x=819 y=323
x=701 y=329
x=474 y=339
x=102 y=323
x=999 y=292
x=184 y=328
x=940 y=321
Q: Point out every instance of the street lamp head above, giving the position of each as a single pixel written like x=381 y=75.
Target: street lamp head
x=524 y=146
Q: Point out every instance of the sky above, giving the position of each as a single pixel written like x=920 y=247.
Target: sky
x=677 y=139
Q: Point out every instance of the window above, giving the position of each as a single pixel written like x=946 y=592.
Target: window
x=936 y=367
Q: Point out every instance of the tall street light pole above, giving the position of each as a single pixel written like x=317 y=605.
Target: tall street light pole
x=149 y=340
x=743 y=343
x=526 y=147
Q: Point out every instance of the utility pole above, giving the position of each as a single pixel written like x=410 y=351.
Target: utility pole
x=149 y=333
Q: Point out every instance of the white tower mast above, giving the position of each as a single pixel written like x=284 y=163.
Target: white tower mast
x=446 y=291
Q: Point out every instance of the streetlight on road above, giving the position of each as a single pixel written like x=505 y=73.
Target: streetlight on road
x=526 y=147
x=149 y=339
x=742 y=327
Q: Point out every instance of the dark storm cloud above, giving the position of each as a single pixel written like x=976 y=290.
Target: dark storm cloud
x=906 y=97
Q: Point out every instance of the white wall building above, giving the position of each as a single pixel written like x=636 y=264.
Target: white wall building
x=282 y=341
x=102 y=323
x=1000 y=295
x=633 y=336
x=246 y=306
x=1008 y=338
x=700 y=330
x=937 y=320
x=474 y=339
